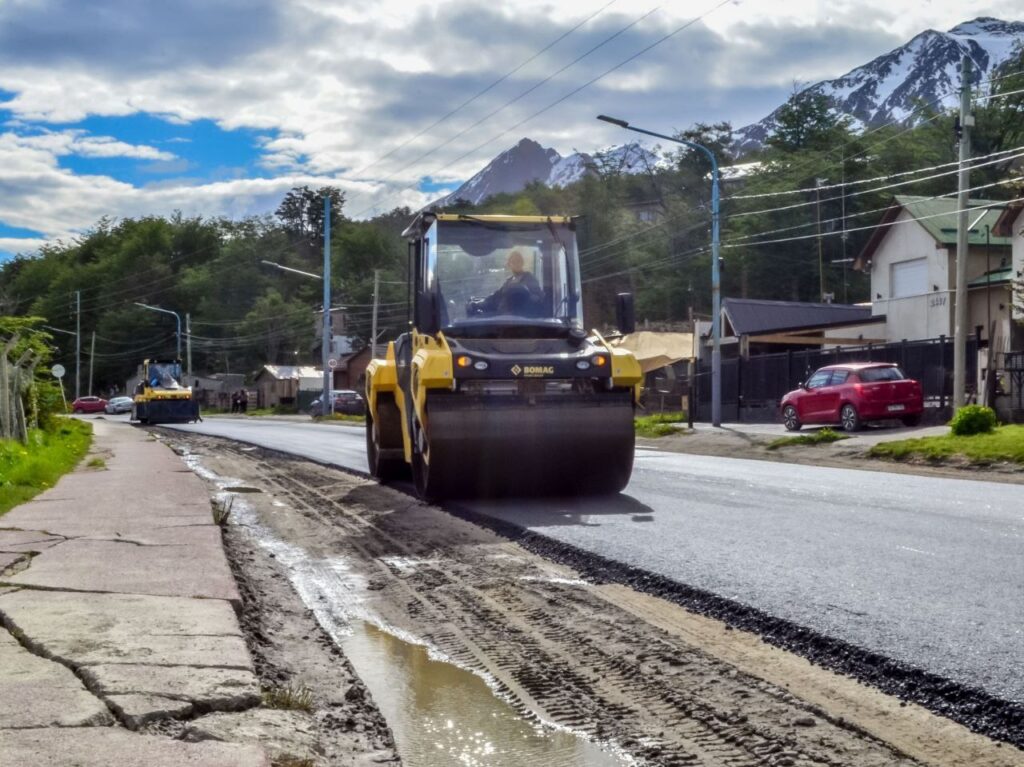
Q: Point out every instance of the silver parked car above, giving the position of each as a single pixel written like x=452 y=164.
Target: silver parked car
x=118 y=405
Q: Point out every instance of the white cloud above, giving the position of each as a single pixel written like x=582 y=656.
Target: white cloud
x=340 y=83
x=24 y=245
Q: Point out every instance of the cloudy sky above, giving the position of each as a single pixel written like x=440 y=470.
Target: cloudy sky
x=130 y=107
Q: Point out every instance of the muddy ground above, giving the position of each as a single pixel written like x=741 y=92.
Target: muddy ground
x=636 y=673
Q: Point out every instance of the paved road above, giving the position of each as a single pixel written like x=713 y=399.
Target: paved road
x=925 y=570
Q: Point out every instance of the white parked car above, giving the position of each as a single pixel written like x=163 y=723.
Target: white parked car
x=118 y=405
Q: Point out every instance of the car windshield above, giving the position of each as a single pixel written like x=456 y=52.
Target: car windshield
x=485 y=271
x=872 y=375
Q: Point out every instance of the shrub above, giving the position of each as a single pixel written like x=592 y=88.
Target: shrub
x=973 y=419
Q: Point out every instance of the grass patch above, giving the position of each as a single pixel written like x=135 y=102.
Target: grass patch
x=276 y=410
x=27 y=470
x=346 y=417
x=289 y=698
x=222 y=510
x=1005 y=444
x=96 y=463
x=658 y=424
x=820 y=437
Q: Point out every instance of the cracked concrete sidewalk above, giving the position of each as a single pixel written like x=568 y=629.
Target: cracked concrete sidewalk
x=118 y=608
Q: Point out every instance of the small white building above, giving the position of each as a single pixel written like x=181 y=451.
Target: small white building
x=911 y=258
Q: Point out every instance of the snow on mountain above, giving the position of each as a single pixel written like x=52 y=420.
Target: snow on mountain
x=528 y=161
x=924 y=70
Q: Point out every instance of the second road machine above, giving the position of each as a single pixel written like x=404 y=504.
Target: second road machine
x=160 y=397
x=497 y=388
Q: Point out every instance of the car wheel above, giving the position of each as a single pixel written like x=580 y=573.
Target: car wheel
x=790 y=418
x=849 y=418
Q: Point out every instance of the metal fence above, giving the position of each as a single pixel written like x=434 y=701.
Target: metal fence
x=752 y=388
x=15 y=381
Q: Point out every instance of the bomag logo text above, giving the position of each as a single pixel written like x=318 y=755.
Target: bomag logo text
x=538 y=370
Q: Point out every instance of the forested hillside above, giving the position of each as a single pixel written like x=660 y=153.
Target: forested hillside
x=648 y=233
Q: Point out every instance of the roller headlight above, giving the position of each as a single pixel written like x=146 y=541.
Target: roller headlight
x=480 y=365
x=582 y=365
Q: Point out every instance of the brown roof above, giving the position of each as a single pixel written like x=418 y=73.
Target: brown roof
x=1004 y=225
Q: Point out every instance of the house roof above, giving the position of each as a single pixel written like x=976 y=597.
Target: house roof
x=938 y=217
x=995 y=277
x=1004 y=226
x=282 y=372
x=749 y=316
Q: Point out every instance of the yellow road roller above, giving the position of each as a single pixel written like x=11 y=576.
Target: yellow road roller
x=497 y=389
x=160 y=397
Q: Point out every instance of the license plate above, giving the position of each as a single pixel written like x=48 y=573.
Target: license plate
x=896 y=408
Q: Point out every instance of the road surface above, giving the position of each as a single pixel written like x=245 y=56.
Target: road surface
x=925 y=570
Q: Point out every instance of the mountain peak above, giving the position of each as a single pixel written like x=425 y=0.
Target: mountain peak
x=925 y=70
x=987 y=25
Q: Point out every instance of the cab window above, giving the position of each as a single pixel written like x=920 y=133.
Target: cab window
x=839 y=377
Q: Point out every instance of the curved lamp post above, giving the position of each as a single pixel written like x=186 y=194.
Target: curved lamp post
x=716 y=289
x=166 y=311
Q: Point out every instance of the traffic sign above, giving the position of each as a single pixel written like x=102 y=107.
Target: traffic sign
x=57 y=371
x=332 y=363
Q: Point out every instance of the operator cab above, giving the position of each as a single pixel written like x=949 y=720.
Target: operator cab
x=495 y=276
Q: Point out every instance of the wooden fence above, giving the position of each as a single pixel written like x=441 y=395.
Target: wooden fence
x=16 y=375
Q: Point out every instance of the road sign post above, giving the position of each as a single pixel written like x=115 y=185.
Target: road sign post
x=58 y=372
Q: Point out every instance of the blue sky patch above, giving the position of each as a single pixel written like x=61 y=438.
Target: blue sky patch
x=427 y=184
x=204 y=151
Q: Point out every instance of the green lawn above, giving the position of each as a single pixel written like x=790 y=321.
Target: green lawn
x=26 y=470
x=820 y=437
x=1006 y=443
x=659 y=424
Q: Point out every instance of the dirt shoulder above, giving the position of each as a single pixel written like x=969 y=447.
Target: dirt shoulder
x=662 y=684
x=751 y=441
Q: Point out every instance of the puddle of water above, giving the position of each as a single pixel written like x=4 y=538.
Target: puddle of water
x=442 y=715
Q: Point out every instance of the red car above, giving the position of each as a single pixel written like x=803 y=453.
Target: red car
x=88 y=405
x=852 y=394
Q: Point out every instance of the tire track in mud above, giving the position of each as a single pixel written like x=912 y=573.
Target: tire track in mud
x=559 y=652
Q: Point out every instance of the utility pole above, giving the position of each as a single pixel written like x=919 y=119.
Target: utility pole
x=327 y=401
x=960 y=311
x=821 y=259
x=78 y=343
x=376 y=302
x=92 y=356
x=188 y=344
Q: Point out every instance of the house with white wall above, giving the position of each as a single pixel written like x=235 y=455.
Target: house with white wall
x=911 y=258
x=1011 y=224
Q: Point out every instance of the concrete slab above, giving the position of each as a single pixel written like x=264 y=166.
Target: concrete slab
x=284 y=734
x=214 y=689
x=104 y=746
x=136 y=710
x=88 y=629
x=8 y=560
x=35 y=692
x=71 y=523
x=27 y=540
x=190 y=564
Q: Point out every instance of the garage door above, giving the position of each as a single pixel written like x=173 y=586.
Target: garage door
x=910 y=278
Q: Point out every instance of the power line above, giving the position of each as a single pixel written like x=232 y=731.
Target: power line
x=569 y=94
x=482 y=92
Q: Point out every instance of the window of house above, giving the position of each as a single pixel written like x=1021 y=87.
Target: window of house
x=910 y=278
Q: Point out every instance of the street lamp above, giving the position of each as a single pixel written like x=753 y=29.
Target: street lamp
x=326 y=400
x=716 y=288
x=166 y=311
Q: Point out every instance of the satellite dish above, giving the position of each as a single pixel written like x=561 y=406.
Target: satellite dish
x=57 y=371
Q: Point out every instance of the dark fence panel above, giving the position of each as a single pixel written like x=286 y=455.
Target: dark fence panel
x=752 y=388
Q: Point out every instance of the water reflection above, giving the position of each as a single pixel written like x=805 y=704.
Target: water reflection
x=443 y=715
